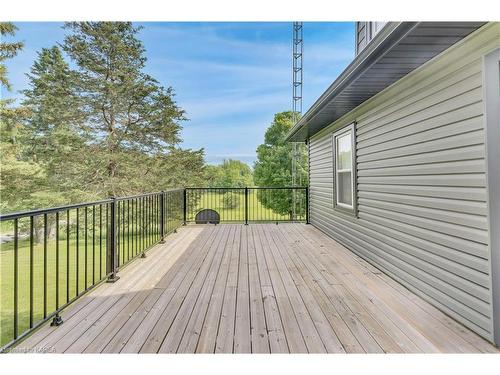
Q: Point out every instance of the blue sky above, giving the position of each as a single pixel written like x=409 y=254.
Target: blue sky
x=229 y=77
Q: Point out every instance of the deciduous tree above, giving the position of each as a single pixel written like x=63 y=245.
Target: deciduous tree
x=274 y=165
x=231 y=173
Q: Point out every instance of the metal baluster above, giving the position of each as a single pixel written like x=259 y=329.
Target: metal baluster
x=32 y=261
x=93 y=244
x=67 y=255
x=86 y=252
x=112 y=250
x=45 y=240
x=16 y=277
x=77 y=251
x=57 y=321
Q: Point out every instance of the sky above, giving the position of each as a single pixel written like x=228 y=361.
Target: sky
x=230 y=78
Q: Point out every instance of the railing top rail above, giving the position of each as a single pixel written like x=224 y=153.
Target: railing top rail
x=43 y=211
x=248 y=187
x=148 y=194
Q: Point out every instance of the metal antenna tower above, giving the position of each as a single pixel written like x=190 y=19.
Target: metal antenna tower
x=297 y=76
x=297 y=73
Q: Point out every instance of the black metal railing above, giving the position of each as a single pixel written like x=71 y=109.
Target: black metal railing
x=51 y=257
x=247 y=204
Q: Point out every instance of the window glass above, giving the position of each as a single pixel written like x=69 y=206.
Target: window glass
x=344 y=151
x=344 y=187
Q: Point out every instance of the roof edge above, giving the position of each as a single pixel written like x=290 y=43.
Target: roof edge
x=390 y=34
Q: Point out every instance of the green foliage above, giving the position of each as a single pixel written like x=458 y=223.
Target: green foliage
x=19 y=175
x=231 y=173
x=274 y=165
x=58 y=138
x=230 y=200
x=7 y=50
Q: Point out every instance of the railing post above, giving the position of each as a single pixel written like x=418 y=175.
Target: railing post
x=162 y=217
x=307 y=205
x=185 y=206
x=246 y=205
x=112 y=250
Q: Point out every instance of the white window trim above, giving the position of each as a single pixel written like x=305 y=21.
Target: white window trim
x=342 y=206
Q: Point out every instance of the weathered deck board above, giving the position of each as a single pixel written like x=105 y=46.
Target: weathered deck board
x=258 y=288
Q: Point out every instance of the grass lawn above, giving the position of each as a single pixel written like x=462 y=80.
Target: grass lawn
x=235 y=211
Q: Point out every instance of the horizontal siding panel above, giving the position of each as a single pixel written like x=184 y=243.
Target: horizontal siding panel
x=321 y=170
x=447 y=204
x=322 y=156
x=325 y=160
x=319 y=150
x=473 y=221
x=453 y=167
x=468 y=240
x=395 y=131
x=466 y=194
x=463 y=180
x=443 y=132
x=456 y=141
x=413 y=116
x=454 y=154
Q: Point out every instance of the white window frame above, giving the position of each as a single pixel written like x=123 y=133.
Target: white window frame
x=339 y=205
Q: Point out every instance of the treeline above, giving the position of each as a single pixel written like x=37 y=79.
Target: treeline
x=92 y=123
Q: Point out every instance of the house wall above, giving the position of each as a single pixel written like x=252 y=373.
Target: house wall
x=361 y=36
x=365 y=31
x=421 y=182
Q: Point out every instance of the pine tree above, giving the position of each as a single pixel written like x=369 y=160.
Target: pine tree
x=18 y=176
x=7 y=50
x=128 y=112
x=57 y=132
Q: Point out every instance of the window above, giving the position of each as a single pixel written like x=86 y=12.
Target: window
x=344 y=168
x=375 y=28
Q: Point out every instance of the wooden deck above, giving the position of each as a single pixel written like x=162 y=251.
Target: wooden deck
x=258 y=288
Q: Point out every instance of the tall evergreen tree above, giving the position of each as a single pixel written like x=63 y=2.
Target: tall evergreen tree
x=18 y=176
x=128 y=111
x=8 y=50
x=57 y=132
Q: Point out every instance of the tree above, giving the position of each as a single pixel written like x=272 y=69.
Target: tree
x=7 y=50
x=18 y=176
x=274 y=165
x=231 y=173
x=128 y=112
x=58 y=135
